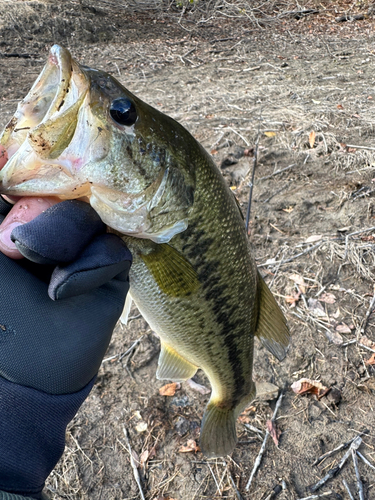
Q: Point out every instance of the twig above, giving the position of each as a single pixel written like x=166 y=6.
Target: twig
x=237 y=493
x=360 y=147
x=263 y=447
x=251 y=185
x=341 y=447
x=359 y=482
x=366 y=347
x=332 y=472
x=278 y=172
x=276 y=193
x=218 y=491
x=295 y=256
x=347 y=489
x=130 y=348
x=368 y=313
x=315 y=497
x=365 y=460
x=133 y=464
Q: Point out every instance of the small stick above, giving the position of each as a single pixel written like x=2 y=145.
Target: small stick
x=368 y=313
x=360 y=147
x=278 y=172
x=251 y=185
x=263 y=447
x=332 y=472
x=366 y=347
x=359 y=482
x=218 y=491
x=365 y=460
x=276 y=193
x=133 y=464
x=295 y=256
x=341 y=447
x=237 y=493
x=321 y=495
x=347 y=489
x=130 y=348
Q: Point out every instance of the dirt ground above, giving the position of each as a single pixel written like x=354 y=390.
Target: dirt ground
x=303 y=84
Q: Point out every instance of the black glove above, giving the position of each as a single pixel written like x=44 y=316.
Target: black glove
x=51 y=350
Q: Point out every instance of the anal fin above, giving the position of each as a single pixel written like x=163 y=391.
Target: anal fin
x=172 y=366
x=125 y=313
x=272 y=329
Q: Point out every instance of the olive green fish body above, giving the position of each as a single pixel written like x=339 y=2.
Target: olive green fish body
x=80 y=134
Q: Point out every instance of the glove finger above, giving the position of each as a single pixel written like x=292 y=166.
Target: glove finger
x=104 y=258
x=59 y=234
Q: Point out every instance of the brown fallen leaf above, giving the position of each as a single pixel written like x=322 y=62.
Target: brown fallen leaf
x=316 y=308
x=143 y=458
x=308 y=386
x=274 y=431
x=270 y=134
x=367 y=342
x=293 y=299
x=244 y=419
x=343 y=328
x=340 y=106
x=288 y=210
x=313 y=238
x=328 y=298
x=169 y=389
x=334 y=337
x=312 y=139
x=298 y=279
x=371 y=361
x=191 y=445
x=214 y=151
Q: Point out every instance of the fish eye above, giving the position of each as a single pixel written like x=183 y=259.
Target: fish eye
x=123 y=111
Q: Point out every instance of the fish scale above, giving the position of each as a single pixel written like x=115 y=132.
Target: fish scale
x=193 y=277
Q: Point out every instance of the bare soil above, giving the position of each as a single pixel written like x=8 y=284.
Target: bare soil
x=305 y=85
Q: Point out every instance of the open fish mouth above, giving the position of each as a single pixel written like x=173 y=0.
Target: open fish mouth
x=42 y=128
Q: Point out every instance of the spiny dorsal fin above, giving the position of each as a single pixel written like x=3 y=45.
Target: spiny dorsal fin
x=272 y=329
x=172 y=272
x=172 y=366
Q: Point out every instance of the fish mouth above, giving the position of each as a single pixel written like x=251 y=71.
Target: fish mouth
x=42 y=128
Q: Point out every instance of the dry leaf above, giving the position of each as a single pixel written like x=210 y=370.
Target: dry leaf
x=141 y=427
x=244 y=419
x=371 y=361
x=270 y=134
x=340 y=106
x=343 y=328
x=202 y=389
x=293 y=299
x=367 y=342
x=143 y=458
x=298 y=279
x=169 y=389
x=312 y=139
x=316 y=308
x=328 y=298
x=274 y=431
x=334 y=337
x=288 y=209
x=191 y=445
x=314 y=238
x=214 y=151
x=308 y=386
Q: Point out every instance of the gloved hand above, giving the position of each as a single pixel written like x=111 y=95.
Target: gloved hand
x=56 y=321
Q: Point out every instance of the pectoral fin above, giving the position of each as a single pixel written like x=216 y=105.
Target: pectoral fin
x=172 y=272
x=271 y=328
x=172 y=366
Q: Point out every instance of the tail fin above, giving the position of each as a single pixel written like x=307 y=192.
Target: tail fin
x=218 y=432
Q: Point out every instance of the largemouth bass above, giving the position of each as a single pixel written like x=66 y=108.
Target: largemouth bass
x=80 y=134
